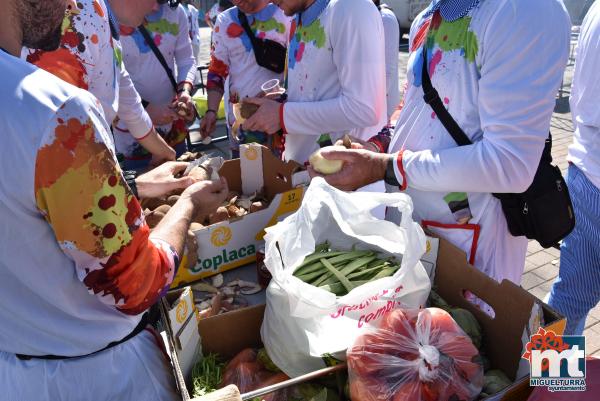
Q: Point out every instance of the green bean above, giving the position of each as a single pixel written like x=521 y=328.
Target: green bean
x=345 y=282
x=310 y=259
x=309 y=277
x=357 y=264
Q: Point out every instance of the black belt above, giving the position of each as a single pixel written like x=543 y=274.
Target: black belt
x=138 y=329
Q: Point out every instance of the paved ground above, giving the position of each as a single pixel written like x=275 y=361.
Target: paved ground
x=541 y=266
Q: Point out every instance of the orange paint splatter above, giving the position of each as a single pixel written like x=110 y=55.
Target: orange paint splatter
x=94 y=39
x=98 y=9
x=218 y=67
x=63 y=64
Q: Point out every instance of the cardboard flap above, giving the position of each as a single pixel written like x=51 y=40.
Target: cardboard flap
x=511 y=304
x=227 y=334
x=251 y=165
x=231 y=171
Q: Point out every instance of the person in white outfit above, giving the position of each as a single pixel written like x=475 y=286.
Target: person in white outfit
x=78 y=265
x=391 y=33
x=577 y=288
x=496 y=66
x=335 y=77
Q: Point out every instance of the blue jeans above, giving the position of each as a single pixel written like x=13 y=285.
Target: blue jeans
x=577 y=287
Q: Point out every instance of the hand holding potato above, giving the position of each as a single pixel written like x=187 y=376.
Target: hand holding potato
x=360 y=167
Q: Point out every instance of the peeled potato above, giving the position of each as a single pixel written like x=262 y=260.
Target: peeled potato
x=323 y=165
x=195 y=226
x=258 y=205
x=220 y=215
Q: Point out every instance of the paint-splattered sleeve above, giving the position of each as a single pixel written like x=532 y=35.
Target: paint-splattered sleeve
x=218 y=69
x=97 y=222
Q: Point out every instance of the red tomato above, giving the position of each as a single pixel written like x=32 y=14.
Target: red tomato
x=408 y=391
x=368 y=389
x=400 y=322
x=441 y=321
x=244 y=376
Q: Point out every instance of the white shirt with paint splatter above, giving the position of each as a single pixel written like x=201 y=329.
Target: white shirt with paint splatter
x=336 y=78
x=233 y=57
x=497 y=71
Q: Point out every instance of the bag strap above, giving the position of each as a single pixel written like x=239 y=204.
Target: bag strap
x=158 y=54
x=432 y=98
x=244 y=21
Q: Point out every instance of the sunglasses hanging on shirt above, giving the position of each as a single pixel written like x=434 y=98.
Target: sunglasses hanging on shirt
x=171 y=3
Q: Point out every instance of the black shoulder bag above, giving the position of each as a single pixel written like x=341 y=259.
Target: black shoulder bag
x=268 y=53
x=544 y=211
x=158 y=54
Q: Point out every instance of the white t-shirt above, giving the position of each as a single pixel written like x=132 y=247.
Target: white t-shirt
x=170 y=30
x=336 y=75
x=233 y=56
x=192 y=14
x=585 y=98
x=91 y=59
x=391 y=32
x=497 y=70
x=77 y=269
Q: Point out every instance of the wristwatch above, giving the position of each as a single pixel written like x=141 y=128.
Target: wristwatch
x=390 y=174
x=130 y=176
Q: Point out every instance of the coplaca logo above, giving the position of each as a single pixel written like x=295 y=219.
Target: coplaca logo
x=221 y=236
x=181 y=312
x=556 y=361
x=251 y=153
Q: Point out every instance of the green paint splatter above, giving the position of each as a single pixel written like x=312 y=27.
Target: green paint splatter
x=163 y=26
x=455 y=35
x=118 y=56
x=312 y=33
x=268 y=25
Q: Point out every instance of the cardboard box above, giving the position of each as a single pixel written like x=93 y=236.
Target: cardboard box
x=233 y=243
x=183 y=321
x=229 y=333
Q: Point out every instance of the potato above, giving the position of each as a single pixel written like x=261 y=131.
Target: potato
x=154 y=218
x=199 y=173
x=194 y=226
x=325 y=166
x=258 y=205
x=151 y=203
x=164 y=209
x=171 y=200
x=220 y=215
x=191 y=246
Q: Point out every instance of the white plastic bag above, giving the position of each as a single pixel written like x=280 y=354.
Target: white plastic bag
x=303 y=323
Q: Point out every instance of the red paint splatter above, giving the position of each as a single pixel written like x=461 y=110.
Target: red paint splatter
x=234 y=30
x=420 y=36
x=109 y=230
x=96 y=232
x=217 y=29
x=126 y=31
x=157 y=39
x=436 y=21
x=218 y=67
x=88 y=215
x=435 y=60
x=94 y=39
x=262 y=35
x=292 y=29
x=300 y=51
x=133 y=212
x=106 y=202
x=446 y=100
x=60 y=121
x=112 y=180
x=433 y=115
x=70 y=39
